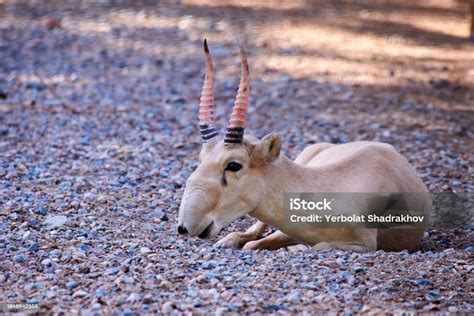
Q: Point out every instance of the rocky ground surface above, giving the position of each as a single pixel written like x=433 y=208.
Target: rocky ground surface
x=98 y=134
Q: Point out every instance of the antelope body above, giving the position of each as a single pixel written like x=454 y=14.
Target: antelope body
x=243 y=175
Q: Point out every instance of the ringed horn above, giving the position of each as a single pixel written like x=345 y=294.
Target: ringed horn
x=235 y=132
x=207 y=120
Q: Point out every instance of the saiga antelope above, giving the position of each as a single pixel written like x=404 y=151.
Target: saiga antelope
x=242 y=175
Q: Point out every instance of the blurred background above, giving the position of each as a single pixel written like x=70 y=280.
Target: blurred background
x=382 y=44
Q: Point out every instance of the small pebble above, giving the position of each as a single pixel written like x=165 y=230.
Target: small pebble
x=79 y=294
x=20 y=258
x=71 y=285
x=167 y=308
x=133 y=297
x=33 y=247
x=212 y=275
x=53 y=222
x=453 y=309
x=160 y=214
x=358 y=269
x=293 y=296
x=113 y=271
x=145 y=250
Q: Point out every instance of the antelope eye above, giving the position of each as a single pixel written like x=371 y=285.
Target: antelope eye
x=233 y=166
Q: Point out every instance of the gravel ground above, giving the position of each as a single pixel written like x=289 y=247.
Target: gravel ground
x=98 y=133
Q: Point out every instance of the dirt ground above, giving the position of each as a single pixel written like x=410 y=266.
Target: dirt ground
x=98 y=134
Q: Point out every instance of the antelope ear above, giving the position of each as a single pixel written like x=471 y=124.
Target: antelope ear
x=268 y=150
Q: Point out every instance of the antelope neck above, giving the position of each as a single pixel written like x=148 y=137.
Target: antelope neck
x=282 y=177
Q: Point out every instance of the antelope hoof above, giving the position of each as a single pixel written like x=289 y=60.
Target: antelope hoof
x=322 y=246
x=232 y=240
x=253 y=245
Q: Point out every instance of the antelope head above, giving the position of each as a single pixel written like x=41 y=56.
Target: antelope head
x=230 y=179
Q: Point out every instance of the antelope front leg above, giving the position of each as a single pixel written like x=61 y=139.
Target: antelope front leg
x=272 y=242
x=238 y=239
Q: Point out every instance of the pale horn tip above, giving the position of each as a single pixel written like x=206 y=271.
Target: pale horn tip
x=242 y=50
x=243 y=55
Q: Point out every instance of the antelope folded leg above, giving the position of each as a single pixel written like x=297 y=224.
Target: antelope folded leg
x=272 y=242
x=239 y=239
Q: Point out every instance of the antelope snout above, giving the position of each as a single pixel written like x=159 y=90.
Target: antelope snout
x=182 y=230
x=194 y=217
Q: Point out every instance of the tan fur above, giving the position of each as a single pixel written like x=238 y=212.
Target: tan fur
x=258 y=188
